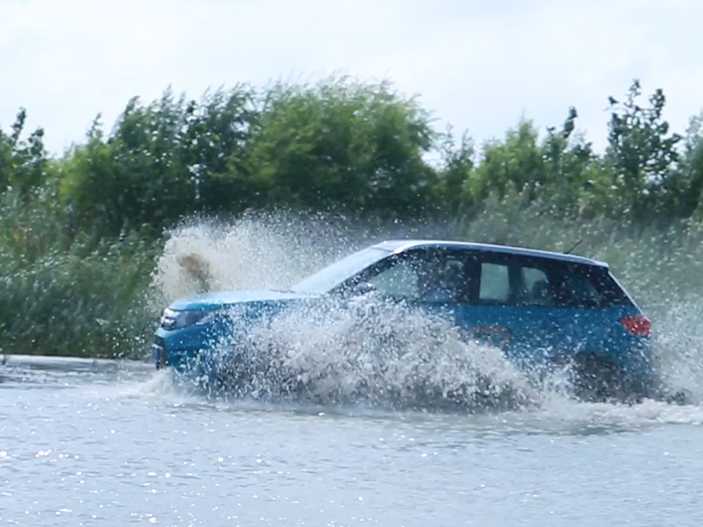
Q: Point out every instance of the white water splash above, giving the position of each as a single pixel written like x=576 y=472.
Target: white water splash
x=264 y=250
x=248 y=255
x=679 y=340
x=388 y=357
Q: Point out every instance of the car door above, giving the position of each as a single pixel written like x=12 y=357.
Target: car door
x=495 y=299
x=535 y=309
x=475 y=291
x=484 y=313
x=511 y=307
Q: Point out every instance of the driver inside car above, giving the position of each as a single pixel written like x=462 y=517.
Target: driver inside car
x=439 y=283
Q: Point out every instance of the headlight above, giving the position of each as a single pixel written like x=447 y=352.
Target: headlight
x=172 y=319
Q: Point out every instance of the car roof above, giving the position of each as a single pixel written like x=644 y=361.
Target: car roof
x=405 y=245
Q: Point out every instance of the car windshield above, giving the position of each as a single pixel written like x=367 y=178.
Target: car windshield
x=335 y=274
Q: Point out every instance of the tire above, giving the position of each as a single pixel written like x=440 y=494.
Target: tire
x=596 y=379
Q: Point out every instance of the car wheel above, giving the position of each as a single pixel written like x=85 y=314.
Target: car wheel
x=595 y=378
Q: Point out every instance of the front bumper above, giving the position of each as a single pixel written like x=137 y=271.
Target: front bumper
x=158 y=353
x=179 y=348
x=172 y=346
x=181 y=359
x=195 y=353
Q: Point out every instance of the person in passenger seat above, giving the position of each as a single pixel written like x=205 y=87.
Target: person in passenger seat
x=441 y=284
x=542 y=293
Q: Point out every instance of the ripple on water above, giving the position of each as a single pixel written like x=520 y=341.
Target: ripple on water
x=138 y=448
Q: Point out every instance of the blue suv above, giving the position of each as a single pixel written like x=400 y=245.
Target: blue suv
x=541 y=308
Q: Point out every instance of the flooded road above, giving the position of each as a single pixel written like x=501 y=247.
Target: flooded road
x=85 y=443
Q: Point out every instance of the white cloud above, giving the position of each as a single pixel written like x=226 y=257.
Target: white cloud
x=478 y=65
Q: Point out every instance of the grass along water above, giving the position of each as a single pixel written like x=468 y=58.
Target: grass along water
x=69 y=295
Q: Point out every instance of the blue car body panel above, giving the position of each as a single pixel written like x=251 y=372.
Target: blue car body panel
x=227 y=298
x=530 y=335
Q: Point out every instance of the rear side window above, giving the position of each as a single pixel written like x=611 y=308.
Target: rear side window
x=588 y=286
x=611 y=293
x=579 y=291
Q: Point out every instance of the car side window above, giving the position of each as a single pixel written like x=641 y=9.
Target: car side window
x=424 y=277
x=580 y=291
x=532 y=276
x=400 y=281
x=537 y=288
x=495 y=283
x=515 y=281
x=531 y=282
x=443 y=280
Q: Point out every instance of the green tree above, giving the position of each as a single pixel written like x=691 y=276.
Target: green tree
x=641 y=156
x=512 y=165
x=160 y=163
x=569 y=185
x=556 y=174
x=689 y=183
x=22 y=161
x=454 y=175
x=342 y=145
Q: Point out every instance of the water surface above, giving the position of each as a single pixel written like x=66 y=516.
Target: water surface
x=85 y=443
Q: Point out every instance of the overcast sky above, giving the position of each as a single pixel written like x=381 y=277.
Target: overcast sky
x=479 y=65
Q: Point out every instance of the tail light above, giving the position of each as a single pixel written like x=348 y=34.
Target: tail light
x=637 y=324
